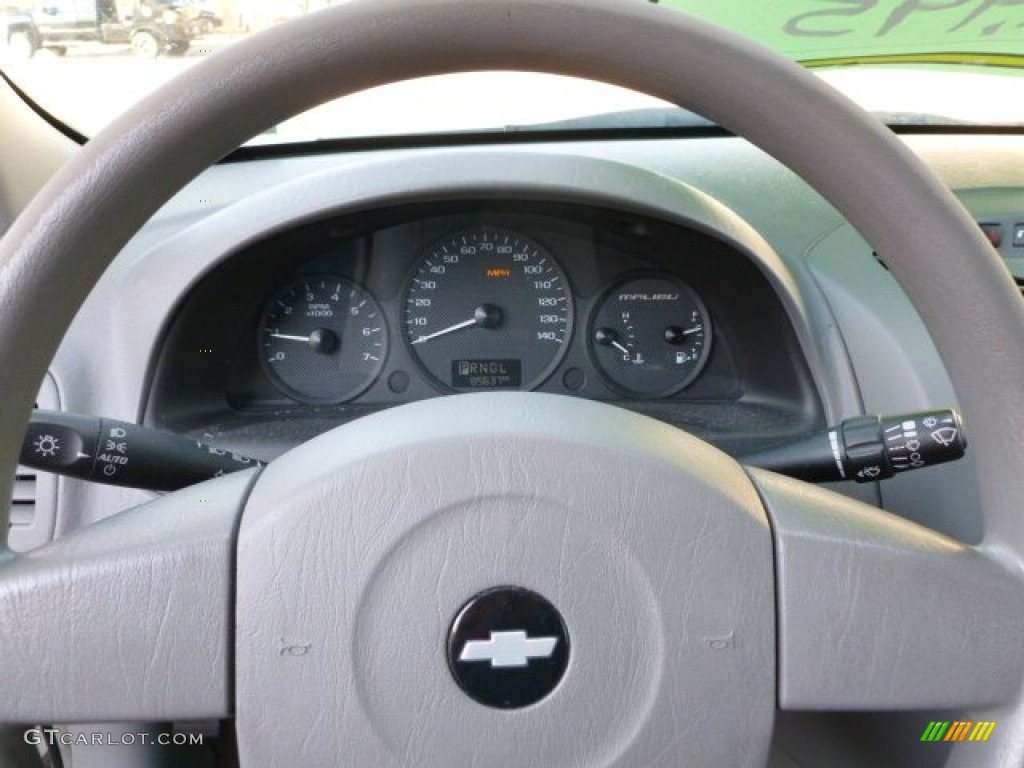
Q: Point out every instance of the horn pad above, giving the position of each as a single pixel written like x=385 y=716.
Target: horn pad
x=364 y=554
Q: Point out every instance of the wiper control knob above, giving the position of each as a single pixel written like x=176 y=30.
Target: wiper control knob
x=869 y=448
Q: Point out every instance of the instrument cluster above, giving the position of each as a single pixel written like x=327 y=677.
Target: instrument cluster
x=486 y=307
x=338 y=317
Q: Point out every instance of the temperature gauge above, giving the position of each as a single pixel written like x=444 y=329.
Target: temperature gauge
x=650 y=336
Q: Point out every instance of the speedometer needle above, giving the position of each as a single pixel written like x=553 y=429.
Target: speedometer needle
x=486 y=316
x=445 y=331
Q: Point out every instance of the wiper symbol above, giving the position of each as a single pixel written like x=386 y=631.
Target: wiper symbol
x=945 y=436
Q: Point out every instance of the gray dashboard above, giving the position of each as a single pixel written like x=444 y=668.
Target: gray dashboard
x=720 y=190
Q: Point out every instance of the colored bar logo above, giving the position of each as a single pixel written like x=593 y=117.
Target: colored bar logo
x=958 y=730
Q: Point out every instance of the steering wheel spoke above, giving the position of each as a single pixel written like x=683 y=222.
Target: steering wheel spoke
x=876 y=612
x=127 y=619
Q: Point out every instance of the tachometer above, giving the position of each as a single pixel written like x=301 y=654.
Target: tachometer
x=322 y=339
x=488 y=308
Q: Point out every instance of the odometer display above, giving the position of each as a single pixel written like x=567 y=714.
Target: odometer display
x=486 y=374
x=488 y=308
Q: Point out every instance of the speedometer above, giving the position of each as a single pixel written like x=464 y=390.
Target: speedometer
x=488 y=308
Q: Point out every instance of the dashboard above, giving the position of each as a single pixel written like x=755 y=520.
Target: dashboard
x=803 y=325
x=329 y=320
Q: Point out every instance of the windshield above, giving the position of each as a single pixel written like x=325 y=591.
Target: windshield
x=912 y=62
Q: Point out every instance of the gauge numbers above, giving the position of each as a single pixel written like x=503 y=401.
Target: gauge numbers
x=322 y=339
x=488 y=308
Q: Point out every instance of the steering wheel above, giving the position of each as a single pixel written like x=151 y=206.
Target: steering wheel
x=312 y=603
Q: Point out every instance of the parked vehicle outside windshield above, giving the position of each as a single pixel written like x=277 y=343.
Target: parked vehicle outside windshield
x=913 y=62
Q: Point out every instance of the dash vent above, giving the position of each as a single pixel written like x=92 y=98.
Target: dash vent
x=23 y=506
x=34 y=503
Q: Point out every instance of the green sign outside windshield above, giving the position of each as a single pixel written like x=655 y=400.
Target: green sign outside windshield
x=827 y=32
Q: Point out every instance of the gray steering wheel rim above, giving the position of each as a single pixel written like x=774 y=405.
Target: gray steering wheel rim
x=125 y=173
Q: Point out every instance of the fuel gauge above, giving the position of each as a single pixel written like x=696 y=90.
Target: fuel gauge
x=650 y=336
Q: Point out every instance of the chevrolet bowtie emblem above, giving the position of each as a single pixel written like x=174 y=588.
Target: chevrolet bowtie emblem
x=509 y=649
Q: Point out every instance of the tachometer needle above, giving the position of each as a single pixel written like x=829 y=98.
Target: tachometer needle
x=289 y=338
x=323 y=341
